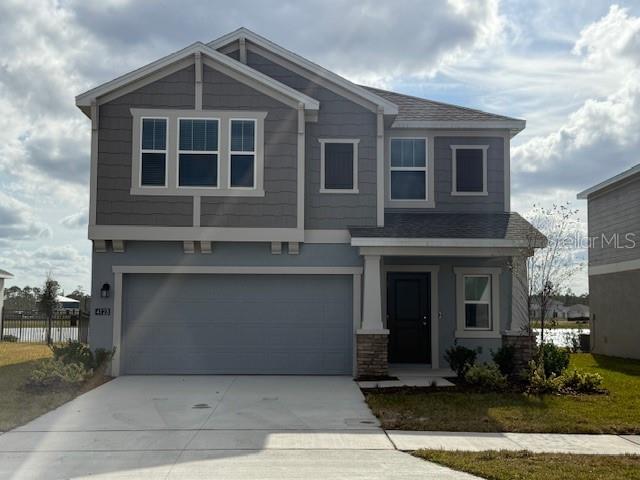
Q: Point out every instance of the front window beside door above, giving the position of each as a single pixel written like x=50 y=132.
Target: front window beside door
x=477 y=302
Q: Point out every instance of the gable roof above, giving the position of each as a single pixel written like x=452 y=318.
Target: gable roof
x=611 y=182
x=389 y=108
x=85 y=99
x=416 y=112
x=5 y=274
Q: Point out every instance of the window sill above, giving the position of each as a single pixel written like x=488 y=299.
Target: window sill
x=198 y=191
x=339 y=190
x=477 y=334
x=469 y=194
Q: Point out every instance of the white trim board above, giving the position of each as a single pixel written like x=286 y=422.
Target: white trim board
x=354 y=165
x=214 y=234
x=614 y=267
x=494 y=276
x=454 y=170
x=434 y=271
x=514 y=126
x=208 y=55
x=389 y=107
x=437 y=242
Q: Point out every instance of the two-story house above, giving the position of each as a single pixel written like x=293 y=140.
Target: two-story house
x=252 y=212
x=613 y=210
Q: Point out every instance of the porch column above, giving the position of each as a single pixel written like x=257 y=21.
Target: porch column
x=519 y=334
x=372 y=337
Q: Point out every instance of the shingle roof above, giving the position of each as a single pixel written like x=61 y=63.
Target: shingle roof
x=420 y=109
x=503 y=226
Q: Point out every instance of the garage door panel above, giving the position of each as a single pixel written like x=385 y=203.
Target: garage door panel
x=211 y=324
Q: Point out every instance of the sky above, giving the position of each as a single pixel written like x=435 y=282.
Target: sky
x=570 y=68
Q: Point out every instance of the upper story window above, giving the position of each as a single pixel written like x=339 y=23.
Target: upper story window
x=198 y=152
x=469 y=169
x=153 y=152
x=408 y=169
x=339 y=165
x=478 y=302
x=242 y=153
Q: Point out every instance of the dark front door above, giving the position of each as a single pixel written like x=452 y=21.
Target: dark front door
x=408 y=317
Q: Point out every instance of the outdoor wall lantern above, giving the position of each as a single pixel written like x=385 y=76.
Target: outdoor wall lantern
x=104 y=291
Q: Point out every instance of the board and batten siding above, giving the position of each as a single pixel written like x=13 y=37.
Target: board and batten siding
x=445 y=202
x=612 y=215
x=338 y=118
x=114 y=203
x=278 y=207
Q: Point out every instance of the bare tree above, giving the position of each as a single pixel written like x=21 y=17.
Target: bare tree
x=551 y=268
x=49 y=302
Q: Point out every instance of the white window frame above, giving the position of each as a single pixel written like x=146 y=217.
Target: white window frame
x=196 y=152
x=165 y=151
x=462 y=331
x=454 y=173
x=254 y=152
x=424 y=169
x=323 y=142
x=171 y=187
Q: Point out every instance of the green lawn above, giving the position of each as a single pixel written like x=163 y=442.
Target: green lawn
x=19 y=405
x=458 y=410
x=537 y=466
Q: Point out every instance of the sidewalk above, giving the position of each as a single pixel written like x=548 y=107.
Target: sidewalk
x=533 y=442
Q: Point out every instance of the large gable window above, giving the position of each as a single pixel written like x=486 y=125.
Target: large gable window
x=242 y=153
x=153 y=152
x=469 y=169
x=198 y=152
x=408 y=169
x=339 y=165
x=478 y=302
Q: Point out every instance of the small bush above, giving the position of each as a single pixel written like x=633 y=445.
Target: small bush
x=486 y=377
x=10 y=338
x=577 y=381
x=460 y=359
x=504 y=358
x=53 y=372
x=555 y=359
x=539 y=382
x=76 y=352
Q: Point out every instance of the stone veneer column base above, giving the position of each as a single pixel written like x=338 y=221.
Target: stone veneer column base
x=525 y=349
x=371 y=354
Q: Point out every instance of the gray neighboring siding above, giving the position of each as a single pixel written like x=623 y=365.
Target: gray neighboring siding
x=614 y=303
x=615 y=212
x=223 y=254
x=445 y=202
x=115 y=205
x=278 y=208
x=338 y=118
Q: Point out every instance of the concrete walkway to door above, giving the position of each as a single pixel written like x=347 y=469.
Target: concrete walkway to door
x=232 y=427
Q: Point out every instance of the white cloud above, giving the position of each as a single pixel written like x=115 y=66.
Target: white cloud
x=17 y=221
x=76 y=220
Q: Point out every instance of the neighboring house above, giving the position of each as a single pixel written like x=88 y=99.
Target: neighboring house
x=555 y=310
x=3 y=276
x=614 y=264
x=68 y=306
x=252 y=212
x=578 y=312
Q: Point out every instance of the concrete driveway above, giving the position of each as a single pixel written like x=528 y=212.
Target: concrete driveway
x=231 y=427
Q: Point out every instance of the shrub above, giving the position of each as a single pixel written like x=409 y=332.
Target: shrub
x=555 y=359
x=486 y=377
x=460 y=359
x=10 y=338
x=504 y=358
x=539 y=382
x=577 y=381
x=77 y=352
x=54 y=372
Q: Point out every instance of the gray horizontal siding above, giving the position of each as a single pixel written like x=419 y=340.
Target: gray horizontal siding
x=114 y=203
x=445 y=202
x=615 y=213
x=338 y=118
x=278 y=208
